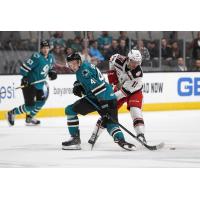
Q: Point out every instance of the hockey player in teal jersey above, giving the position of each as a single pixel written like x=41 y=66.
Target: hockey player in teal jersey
x=91 y=83
x=36 y=68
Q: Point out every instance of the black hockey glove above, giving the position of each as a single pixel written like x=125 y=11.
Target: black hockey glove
x=105 y=110
x=78 y=89
x=52 y=75
x=25 y=82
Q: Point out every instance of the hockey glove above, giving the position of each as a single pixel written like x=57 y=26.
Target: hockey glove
x=52 y=75
x=78 y=89
x=25 y=82
x=105 y=110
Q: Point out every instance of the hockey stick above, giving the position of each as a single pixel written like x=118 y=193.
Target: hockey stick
x=23 y=86
x=33 y=83
x=154 y=147
x=94 y=136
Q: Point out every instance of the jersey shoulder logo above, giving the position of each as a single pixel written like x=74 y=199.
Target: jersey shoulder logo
x=85 y=72
x=138 y=73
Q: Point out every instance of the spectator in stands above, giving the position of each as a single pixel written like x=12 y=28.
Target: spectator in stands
x=33 y=44
x=60 y=61
x=90 y=37
x=94 y=51
x=123 y=36
x=153 y=50
x=85 y=55
x=170 y=35
x=94 y=61
x=196 y=47
x=165 y=50
x=175 y=50
x=57 y=39
x=68 y=51
x=56 y=51
x=197 y=65
x=104 y=41
x=77 y=34
x=86 y=41
x=181 y=65
x=143 y=50
x=123 y=49
x=76 y=44
x=113 y=49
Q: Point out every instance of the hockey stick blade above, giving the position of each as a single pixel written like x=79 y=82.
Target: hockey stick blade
x=154 y=147
x=92 y=141
x=94 y=137
x=150 y=147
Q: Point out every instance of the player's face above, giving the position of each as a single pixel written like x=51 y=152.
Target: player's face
x=133 y=64
x=45 y=51
x=74 y=65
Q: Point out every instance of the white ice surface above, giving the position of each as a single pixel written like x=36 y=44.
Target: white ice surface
x=22 y=146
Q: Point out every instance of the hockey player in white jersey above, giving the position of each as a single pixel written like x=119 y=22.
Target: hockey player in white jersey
x=126 y=75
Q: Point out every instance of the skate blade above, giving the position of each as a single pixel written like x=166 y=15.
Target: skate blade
x=133 y=148
x=9 y=124
x=72 y=147
x=27 y=124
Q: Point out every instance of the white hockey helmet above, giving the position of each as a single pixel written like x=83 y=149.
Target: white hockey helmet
x=135 y=55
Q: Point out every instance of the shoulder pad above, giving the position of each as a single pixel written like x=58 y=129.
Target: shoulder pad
x=121 y=58
x=113 y=57
x=137 y=72
x=117 y=58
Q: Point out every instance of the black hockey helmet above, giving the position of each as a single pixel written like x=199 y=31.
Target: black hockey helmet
x=73 y=56
x=44 y=43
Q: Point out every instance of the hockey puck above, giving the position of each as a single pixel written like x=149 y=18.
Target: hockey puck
x=172 y=148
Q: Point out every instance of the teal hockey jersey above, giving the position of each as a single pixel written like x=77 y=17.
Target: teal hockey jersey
x=94 y=82
x=37 y=67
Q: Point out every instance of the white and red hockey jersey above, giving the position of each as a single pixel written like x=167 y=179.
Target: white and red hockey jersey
x=128 y=80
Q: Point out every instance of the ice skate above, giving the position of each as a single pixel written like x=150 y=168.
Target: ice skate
x=31 y=121
x=10 y=116
x=72 y=144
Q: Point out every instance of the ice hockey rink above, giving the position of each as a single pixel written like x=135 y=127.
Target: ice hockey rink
x=22 y=146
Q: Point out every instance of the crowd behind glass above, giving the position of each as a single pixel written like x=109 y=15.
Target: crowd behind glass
x=161 y=50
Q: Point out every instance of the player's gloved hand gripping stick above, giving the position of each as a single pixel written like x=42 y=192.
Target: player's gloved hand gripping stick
x=78 y=89
x=25 y=84
x=154 y=147
x=52 y=76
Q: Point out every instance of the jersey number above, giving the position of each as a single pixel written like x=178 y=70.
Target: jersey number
x=45 y=70
x=134 y=84
x=100 y=76
x=29 y=61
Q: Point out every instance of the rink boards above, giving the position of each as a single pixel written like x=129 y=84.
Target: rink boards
x=162 y=91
